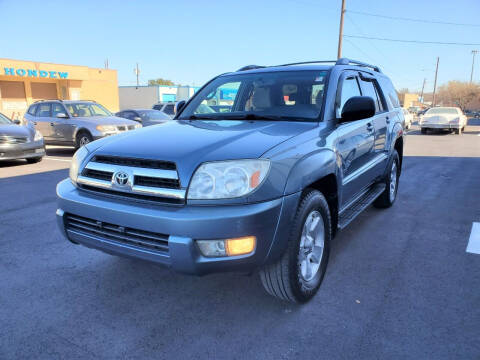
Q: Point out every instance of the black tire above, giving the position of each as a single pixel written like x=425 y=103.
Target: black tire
x=385 y=200
x=34 y=160
x=83 y=138
x=458 y=131
x=424 y=130
x=283 y=279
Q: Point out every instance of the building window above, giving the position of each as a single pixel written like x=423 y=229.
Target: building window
x=168 y=97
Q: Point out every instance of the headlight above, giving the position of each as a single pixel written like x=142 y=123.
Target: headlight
x=138 y=126
x=77 y=161
x=227 y=179
x=38 y=136
x=107 y=128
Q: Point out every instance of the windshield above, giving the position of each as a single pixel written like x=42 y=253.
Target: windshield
x=282 y=95
x=87 y=110
x=4 y=120
x=153 y=115
x=438 y=111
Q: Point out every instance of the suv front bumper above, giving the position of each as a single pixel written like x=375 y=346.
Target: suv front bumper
x=268 y=221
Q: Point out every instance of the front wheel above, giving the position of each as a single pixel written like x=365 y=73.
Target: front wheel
x=297 y=275
x=424 y=130
x=34 y=160
x=83 y=138
x=388 y=197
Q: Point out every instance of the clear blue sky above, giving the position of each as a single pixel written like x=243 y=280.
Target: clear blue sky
x=191 y=41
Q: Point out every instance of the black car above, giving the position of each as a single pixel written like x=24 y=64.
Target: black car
x=146 y=117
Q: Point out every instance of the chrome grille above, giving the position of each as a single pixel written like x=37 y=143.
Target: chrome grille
x=6 y=139
x=151 y=180
x=117 y=233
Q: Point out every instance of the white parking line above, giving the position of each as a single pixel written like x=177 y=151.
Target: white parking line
x=474 y=241
x=52 y=158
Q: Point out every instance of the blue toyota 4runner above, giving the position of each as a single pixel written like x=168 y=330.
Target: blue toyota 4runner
x=257 y=172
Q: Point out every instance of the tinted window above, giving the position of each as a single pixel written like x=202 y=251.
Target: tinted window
x=389 y=92
x=57 y=108
x=32 y=110
x=368 y=89
x=157 y=107
x=169 y=109
x=4 y=119
x=43 y=110
x=349 y=89
x=440 y=110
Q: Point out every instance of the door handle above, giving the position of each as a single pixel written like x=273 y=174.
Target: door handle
x=369 y=126
x=52 y=124
x=388 y=120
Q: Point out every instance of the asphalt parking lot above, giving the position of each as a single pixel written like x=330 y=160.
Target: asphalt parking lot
x=400 y=283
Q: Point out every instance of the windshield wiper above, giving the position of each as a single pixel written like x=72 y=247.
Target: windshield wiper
x=200 y=117
x=251 y=116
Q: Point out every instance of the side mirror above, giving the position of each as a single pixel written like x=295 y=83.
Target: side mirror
x=62 y=116
x=358 y=108
x=179 y=106
x=17 y=122
x=137 y=118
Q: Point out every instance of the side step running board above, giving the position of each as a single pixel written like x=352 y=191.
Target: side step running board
x=347 y=215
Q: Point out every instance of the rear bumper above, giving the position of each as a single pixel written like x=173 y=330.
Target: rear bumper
x=440 y=126
x=22 y=151
x=268 y=221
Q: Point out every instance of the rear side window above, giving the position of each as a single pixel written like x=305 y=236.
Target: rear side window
x=389 y=92
x=157 y=107
x=369 y=89
x=32 y=109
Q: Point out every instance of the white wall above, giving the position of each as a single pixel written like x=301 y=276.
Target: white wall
x=142 y=97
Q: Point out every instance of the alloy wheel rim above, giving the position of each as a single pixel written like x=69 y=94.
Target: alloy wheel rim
x=84 y=140
x=393 y=181
x=312 y=244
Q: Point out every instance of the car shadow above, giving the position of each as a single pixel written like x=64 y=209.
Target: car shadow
x=60 y=151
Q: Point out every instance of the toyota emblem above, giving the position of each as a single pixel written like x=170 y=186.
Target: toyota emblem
x=120 y=178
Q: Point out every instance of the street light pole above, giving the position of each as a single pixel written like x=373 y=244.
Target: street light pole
x=474 y=52
x=137 y=73
x=340 y=35
x=435 y=83
x=423 y=87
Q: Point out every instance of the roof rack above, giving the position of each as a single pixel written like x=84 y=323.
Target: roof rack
x=250 y=67
x=341 y=61
x=47 y=100
x=345 y=61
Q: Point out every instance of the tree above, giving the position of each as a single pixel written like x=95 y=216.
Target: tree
x=458 y=93
x=160 y=81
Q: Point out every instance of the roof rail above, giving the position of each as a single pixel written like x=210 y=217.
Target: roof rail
x=47 y=100
x=310 y=62
x=250 y=67
x=345 y=61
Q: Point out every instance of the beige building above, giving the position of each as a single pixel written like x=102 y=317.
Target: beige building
x=24 y=82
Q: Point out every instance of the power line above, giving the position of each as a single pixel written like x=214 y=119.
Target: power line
x=411 y=19
x=412 y=41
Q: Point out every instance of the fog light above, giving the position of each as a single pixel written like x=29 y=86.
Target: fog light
x=240 y=246
x=228 y=247
x=212 y=248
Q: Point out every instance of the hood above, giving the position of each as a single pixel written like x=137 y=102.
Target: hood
x=189 y=143
x=105 y=120
x=16 y=130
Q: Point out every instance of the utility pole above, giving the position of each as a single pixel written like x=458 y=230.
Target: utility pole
x=435 y=83
x=106 y=63
x=423 y=87
x=474 y=52
x=137 y=73
x=340 y=35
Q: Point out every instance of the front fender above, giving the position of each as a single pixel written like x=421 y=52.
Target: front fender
x=309 y=169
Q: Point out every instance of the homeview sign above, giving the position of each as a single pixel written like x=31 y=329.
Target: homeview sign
x=36 y=73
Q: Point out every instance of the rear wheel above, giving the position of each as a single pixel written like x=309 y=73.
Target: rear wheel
x=297 y=275
x=458 y=131
x=388 y=197
x=83 y=138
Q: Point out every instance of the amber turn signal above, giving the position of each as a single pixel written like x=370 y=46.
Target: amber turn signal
x=240 y=246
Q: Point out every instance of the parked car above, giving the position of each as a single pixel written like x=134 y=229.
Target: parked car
x=303 y=151
x=444 y=118
x=20 y=142
x=408 y=118
x=166 y=107
x=75 y=123
x=146 y=117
